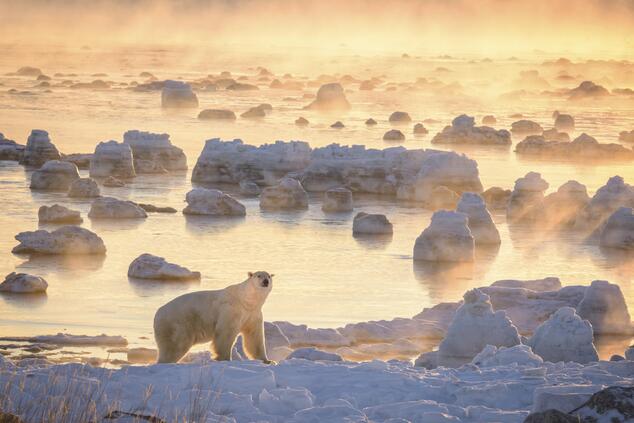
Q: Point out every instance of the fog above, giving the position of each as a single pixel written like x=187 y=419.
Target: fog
x=601 y=28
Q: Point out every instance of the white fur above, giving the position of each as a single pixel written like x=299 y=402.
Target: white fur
x=216 y=316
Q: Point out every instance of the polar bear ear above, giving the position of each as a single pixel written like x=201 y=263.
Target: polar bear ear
x=272 y=274
x=250 y=274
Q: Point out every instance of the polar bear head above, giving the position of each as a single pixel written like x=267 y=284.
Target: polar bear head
x=262 y=280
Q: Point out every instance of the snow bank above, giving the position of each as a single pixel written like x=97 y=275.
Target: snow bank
x=492 y=356
x=154 y=151
x=39 y=149
x=464 y=131
x=233 y=161
x=112 y=159
x=148 y=266
x=564 y=337
x=212 y=202
x=54 y=175
x=303 y=391
x=474 y=326
x=480 y=221
x=446 y=239
x=65 y=240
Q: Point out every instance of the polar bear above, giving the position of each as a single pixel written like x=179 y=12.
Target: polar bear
x=216 y=316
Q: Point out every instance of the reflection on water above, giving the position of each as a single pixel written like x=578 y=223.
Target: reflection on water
x=325 y=276
x=373 y=242
x=25 y=301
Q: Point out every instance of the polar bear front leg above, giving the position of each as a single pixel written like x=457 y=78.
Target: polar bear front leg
x=253 y=336
x=224 y=339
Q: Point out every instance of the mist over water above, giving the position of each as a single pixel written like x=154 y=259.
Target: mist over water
x=471 y=55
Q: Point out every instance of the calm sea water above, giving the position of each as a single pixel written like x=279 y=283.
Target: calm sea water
x=324 y=276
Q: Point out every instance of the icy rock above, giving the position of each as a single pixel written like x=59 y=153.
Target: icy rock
x=330 y=97
x=584 y=147
x=526 y=127
x=212 y=202
x=618 y=231
x=613 y=404
x=609 y=198
x=156 y=209
x=419 y=129
x=626 y=136
x=474 y=326
x=112 y=159
x=564 y=122
x=489 y=120
x=58 y=214
x=551 y=416
x=81 y=160
x=249 y=188
x=233 y=161
x=65 y=240
x=337 y=125
x=480 y=221
x=360 y=169
x=22 y=283
x=562 y=207
x=337 y=200
x=370 y=122
x=604 y=306
x=554 y=135
x=492 y=356
x=54 y=175
x=629 y=353
x=288 y=194
x=313 y=354
x=446 y=239
x=301 y=121
x=29 y=71
x=113 y=182
x=39 y=149
x=400 y=117
x=393 y=135
x=527 y=197
x=442 y=198
x=10 y=150
x=371 y=224
x=112 y=208
x=496 y=198
x=155 y=149
x=178 y=94
x=564 y=337
x=84 y=188
x=148 y=266
x=538 y=285
x=217 y=114
x=301 y=335
x=256 y=112
x=588 y=89
x=464 y=131
x=441 y=168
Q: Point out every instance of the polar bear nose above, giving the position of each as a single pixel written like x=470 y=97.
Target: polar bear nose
x=265 y=282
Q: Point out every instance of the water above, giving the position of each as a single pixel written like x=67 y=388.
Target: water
x=324 y=276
